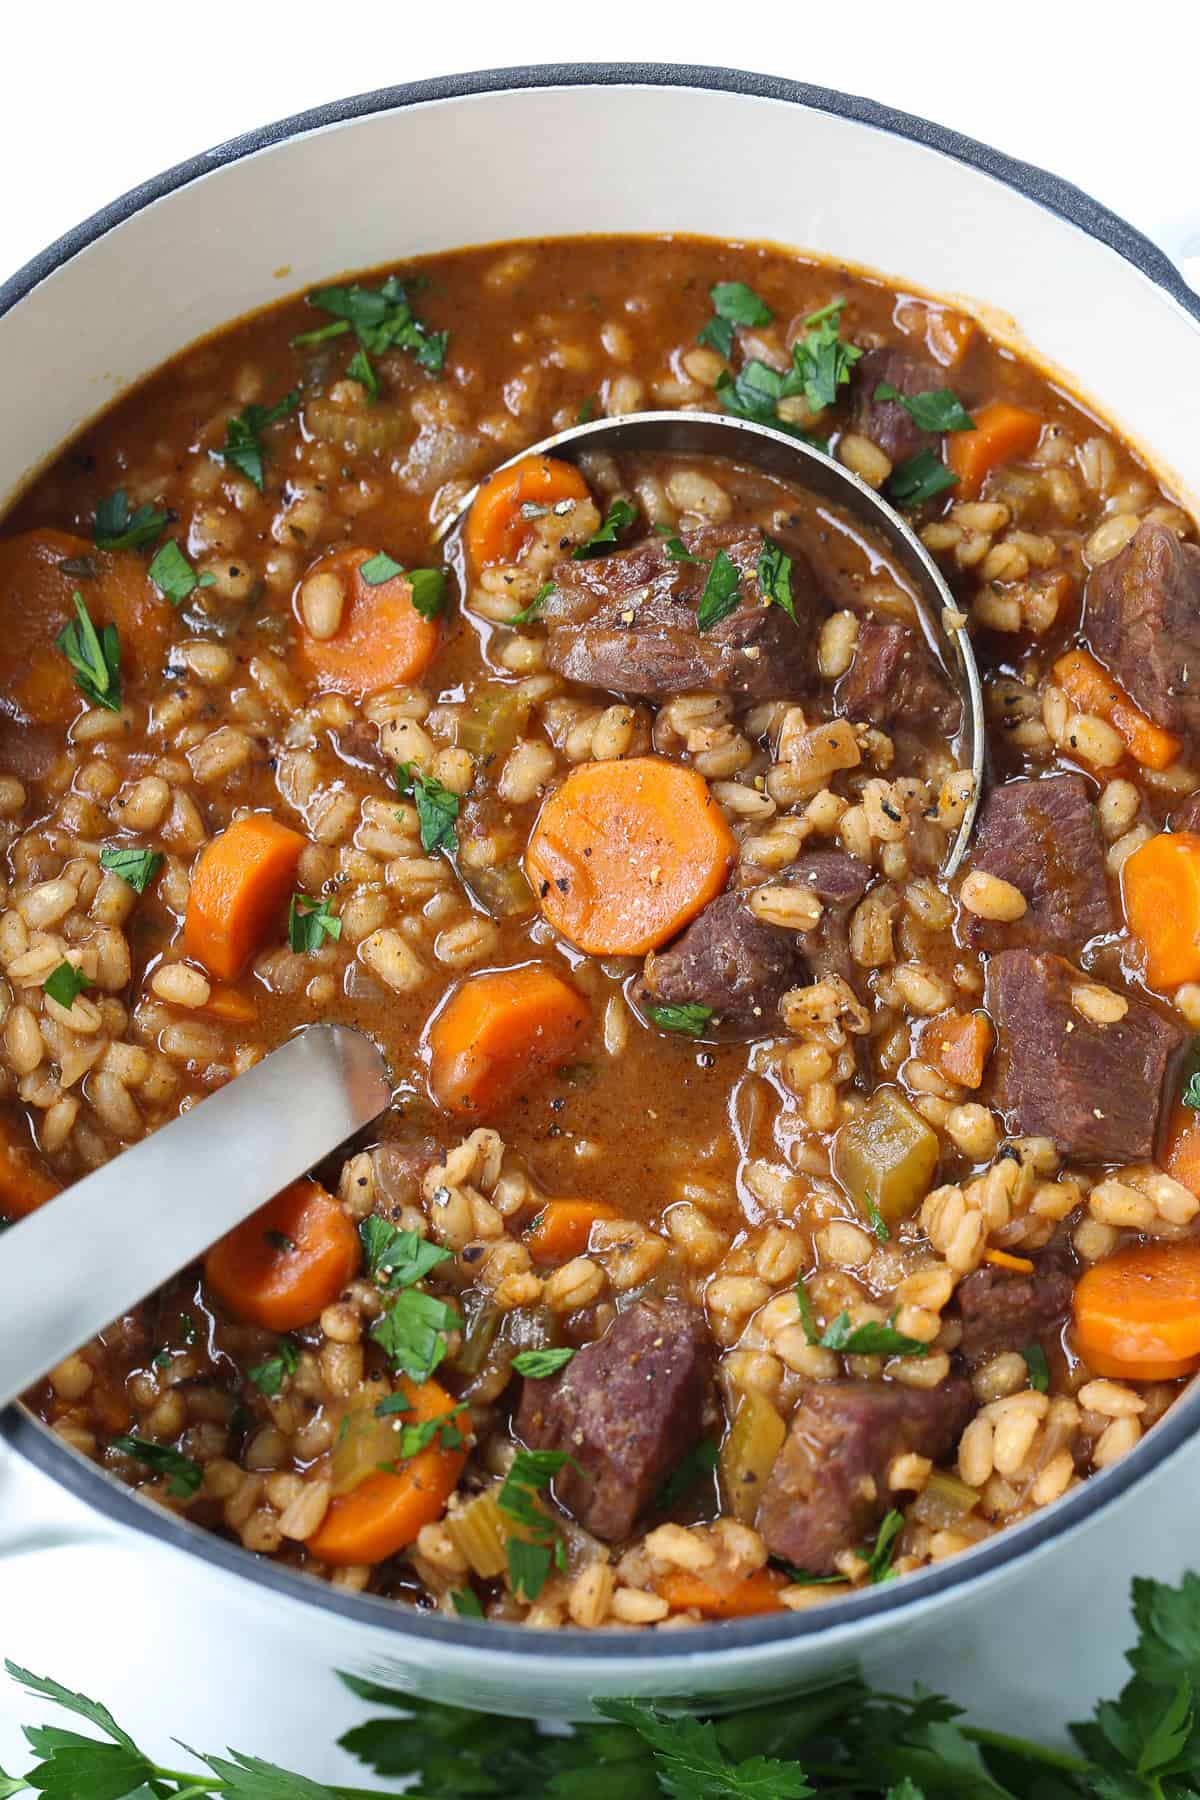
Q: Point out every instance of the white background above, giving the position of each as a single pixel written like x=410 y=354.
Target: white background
x=98 y=98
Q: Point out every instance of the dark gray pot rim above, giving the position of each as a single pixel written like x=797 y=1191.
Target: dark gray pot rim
x=91 y=1484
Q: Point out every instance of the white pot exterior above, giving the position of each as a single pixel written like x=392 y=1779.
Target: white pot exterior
x=589 y=153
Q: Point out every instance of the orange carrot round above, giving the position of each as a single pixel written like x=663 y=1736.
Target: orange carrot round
x=1137 y=1314
x=496 y=531
x=36 y=592
x=239 y=887
x=1002 y=432
x=382 y=640
x=284 y=1264
x=1160 y=886
x=499 y=1032
x=756 y=1593
x=386 y=1511
x=563 y=1227
x=1091 y=689
x=624 y=854
x=25 y=1181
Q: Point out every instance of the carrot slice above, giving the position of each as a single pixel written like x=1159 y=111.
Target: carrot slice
x=230 y=1005
x=500 y=1031
x=382 y=640
x=1091 y=689
x=757 y=1593
x=1003 y=1259
x=948 y=335
x=563 y=1227
x=238 y=887
x=1137 y=1314
x=959 y=1044
x=1181 y=1153
x=386 y=1511
x=1160 y=886
x=35 y=591
x=496 y=529
x=624 y=854
x=25 y=1181
x=287 y=1261
x=1001 y=433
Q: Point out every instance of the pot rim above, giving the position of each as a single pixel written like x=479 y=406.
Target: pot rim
x=98 y=1489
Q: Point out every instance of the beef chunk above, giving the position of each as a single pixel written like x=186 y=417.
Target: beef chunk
x=895 y=680
x=358 y=743
x=628 y=623
x=827 y=1489
x=727 y=960
x=28 y=751
x=839 y=880
x=1187 y=816
x=626 y=1409
x=886 y=422
x=1142 y=616
x=1041 y=836
x=1095 y=1089
x=1006 y=1312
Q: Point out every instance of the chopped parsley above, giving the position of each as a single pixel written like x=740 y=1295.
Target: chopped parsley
x=394 y=1258
x=427 y=587
x=879 y=1562
x=530 y=1557
x=530 y=612
x=700 y=1461
x=617 y=519
x=586 y=410
x=1191 y=1091
x=1039 y=1368
x=379 y=568
x=821 y=363
x=677 y=551
x=65 y=984
x=116 y=528
x=871 y=1339
x=775 y=576
x=243 y=435
x=720 y=595
x=919 y=479
x=393 y=1404
x=269 y=1376
x=183 y=1476
x=733 y=304
x=437 y=808
x=310 y=922
x=539 y=1363
x=382 y=319
x=442 y=1430
x=875 y=1218
x=174 y=576
x=689 y=1019
x=136 y=867
x=937 y=409
x=465 y=1602
x=94 y=656
x=412 y=1332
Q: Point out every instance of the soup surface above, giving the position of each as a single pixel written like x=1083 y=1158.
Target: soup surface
x=759 y=1214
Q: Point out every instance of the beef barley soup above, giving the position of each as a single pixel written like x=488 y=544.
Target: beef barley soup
x=758 y=1213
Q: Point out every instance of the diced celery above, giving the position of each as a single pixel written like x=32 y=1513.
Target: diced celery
x=501 y=890
x=888 y=1154
x=480 y=1532
x=364 y=1442
x=944 y=1502
x=494 y=720
x=754 y=1441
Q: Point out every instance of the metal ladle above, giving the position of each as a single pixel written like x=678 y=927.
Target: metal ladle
x=791 y=459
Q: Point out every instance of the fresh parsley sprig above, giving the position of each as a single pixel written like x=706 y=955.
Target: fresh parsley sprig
x=382 y=319
x=618 y=518
x=689 y=1019
x=426 y=587
x=437 y=808
x=94 y=656
x=310 y=923
x=937 y=409
x=537 y=1546
x=243 y=435
x=174 y=576
x=182 y=1475
x=136 y=867
x=921 y=478
x=116 y=528
x=869 y=1339
x=413 y=1328
x=733 y=304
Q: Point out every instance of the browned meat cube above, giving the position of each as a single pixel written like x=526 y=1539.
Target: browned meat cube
x=1007 y=1312
x=887 y=423
x=1041 y=836
x=895 y=680
x=1142 y=617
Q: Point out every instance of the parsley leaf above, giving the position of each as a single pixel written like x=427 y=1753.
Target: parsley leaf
x=733 y=303
x=700 y=1461
x=919 y=479
x=427 y=591
x=1039 y=1368
x=1191 y=1092
x=95 y=656
x=183 y=1476
x=395 y=1258
x=821 y=360
x=310 y=922
x=174 y=576
x=619 y=516
x=79 y=1704
x=268 y=1376
x=360 y=368
x=379 y=568
x=465 y=1602
x=137 y=867
x=527 y=613
x=879 y=1563
x=586 y=409
x=688 y=1019
x=415 y=1438
x=65 y=983
x=382 y=319
x=528 y=1566
x=437 y=807
x=412 y=1332
x=539 y=1363
x=531 y=1555
x=393 y=1404
x=720 y=595
x=243 y=435
x=116 y=528
x=677 y=551
x=692 y=1765
x=775 y=576
x=938 y=409
x=876 y=1220
x=871 y=1339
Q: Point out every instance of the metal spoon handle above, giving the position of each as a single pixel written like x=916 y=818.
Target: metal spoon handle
x=77 y=1264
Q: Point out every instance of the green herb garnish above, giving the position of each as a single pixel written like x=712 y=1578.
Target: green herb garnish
x=677 y=551
x=136 y=867
x=94 y=656
x=530 y=1557
x=269 y=1376
x=183 y=1476
x=617 y=519
x=775 y=577
x=1039 y=1368
x=382 y=319
x=310 y=922
x=116 y=528
x=465 y=1602
x=876 y=1220
x=879 y=1562
x=530 y=612
x=360 y=368
x=437 y=808
x=174 y=576
x=871 y=1339
x=442 y=1430
x=720 y=595
x=243 y=435
x=412 y=1332
x=1191 y=1092
x=537 y=1364
x=65 y=984
x=394 y=1258
x=689 y=1019
x=937 y=409
x=733 y=304
x=919 y=479
x=427 y=591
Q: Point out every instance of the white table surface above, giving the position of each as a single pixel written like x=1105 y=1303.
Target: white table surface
x=95 y=102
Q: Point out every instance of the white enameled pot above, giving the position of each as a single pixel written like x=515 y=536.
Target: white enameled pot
x=594 y=149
